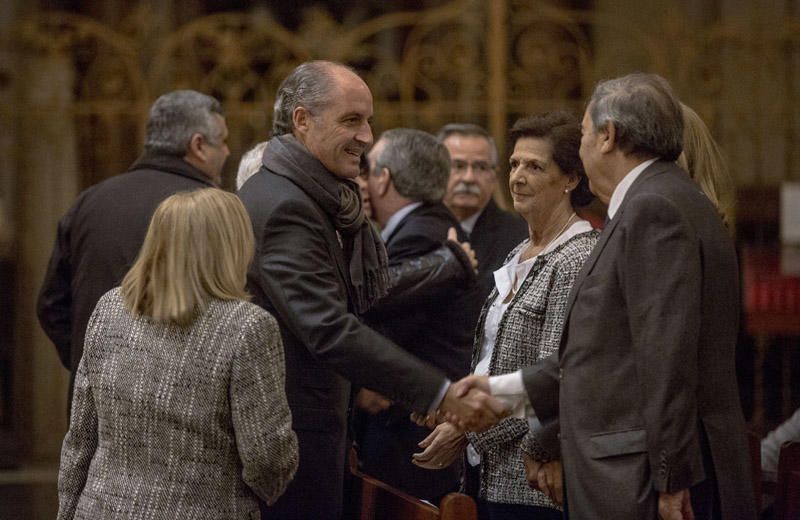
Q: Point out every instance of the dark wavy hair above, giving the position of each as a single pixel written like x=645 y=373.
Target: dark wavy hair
x=563 y=130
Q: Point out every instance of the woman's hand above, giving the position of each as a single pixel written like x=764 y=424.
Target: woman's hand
x=442 y=447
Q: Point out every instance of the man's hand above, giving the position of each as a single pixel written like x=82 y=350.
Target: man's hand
x=473 y=259
x=532 y=468
x=427 y=421
x=442 y=447
x=551 y=481
x=474 y=410
x=675 y=506
x=464 y=385
x=372 y=402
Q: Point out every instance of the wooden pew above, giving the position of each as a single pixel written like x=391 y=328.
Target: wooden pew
x=787 y=489
x=380 y=501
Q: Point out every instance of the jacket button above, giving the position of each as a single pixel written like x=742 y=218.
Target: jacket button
x=561 y=373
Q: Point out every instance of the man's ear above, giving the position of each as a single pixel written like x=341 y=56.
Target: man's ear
x=608 y=138
x=300 y=119
x=383 y=180
x=196 y=148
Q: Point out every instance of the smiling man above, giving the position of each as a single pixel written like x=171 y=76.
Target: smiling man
x=473 y=179
x=319 y=265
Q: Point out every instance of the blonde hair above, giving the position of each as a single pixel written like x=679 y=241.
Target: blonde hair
x=703 y=160
x=197 y=248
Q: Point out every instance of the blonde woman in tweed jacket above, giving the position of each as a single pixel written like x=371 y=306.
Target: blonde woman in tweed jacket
x=522 y=319
x=179 y=408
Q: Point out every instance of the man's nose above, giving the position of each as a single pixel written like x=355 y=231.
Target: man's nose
x=364 y=134
x=469 y=173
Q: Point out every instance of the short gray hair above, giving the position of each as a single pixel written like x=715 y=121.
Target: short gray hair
x=250 y=163
x=310 y=85
x=418 y=163
x=178 y=115
x=469 y=130
x=645 y=112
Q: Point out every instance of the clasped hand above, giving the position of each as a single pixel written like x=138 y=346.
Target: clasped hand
x=469 y=405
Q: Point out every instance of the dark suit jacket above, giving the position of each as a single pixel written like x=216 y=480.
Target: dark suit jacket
x=299 y=274
x=98 y=240
x=436 y=327
x=495 y=234
x=648 y=395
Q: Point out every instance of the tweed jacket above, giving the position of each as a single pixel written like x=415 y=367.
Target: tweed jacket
x=529 y=330
x=177 y=422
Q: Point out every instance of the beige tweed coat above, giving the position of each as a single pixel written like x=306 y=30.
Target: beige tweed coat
x=177 y=422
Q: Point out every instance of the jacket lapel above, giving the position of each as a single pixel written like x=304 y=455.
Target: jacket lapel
x=654 y=169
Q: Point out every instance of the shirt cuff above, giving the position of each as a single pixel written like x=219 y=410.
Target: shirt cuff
x=439 y=397
x=510 y=390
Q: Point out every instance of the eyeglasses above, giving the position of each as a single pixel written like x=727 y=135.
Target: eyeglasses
x=478 y=167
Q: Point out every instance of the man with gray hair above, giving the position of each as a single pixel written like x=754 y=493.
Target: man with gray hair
x=99 y=237
x=644 y=384
x=406 y=183
x=492 y=232
x=320 y=265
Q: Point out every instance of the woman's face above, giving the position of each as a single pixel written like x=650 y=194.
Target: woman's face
x=536 y=182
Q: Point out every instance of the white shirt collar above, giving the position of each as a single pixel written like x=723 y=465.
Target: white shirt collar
x=468 y=224
x=622 y=188
x=395 y=219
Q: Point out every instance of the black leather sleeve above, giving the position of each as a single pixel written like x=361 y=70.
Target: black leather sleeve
x=418 y=278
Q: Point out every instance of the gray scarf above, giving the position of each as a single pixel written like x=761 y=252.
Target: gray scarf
x=341 y=201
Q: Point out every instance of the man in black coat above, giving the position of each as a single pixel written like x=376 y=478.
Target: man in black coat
x=99 y=237
x=407 y=181
x=493 y=233
x=318 y=266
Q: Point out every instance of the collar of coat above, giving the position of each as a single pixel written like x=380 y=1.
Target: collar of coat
x=170 y=164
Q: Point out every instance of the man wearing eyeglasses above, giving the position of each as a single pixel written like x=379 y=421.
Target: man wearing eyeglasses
x=473 y=179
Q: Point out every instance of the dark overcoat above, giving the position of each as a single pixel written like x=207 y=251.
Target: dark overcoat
x=301 y=276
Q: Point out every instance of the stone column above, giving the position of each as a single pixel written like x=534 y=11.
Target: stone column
x=47 y=182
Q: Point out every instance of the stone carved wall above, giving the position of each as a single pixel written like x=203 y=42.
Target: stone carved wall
x=469 y=60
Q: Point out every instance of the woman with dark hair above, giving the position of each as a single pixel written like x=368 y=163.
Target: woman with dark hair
x=522 y=319
x=179 y=408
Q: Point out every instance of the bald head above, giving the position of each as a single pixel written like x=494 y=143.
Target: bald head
x=328 y=109
x=312 y=85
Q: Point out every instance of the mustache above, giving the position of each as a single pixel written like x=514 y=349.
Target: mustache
x=466 y=188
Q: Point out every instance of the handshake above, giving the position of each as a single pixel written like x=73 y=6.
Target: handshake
x=469 y=405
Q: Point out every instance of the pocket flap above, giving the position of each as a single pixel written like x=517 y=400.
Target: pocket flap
x=622 y=442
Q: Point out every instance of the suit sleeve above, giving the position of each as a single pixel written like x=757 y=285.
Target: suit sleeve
x=53 y=307
x=298 y=274
x=80 y=442
x=262 y=422
x=664 y=313
x=541 y=383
